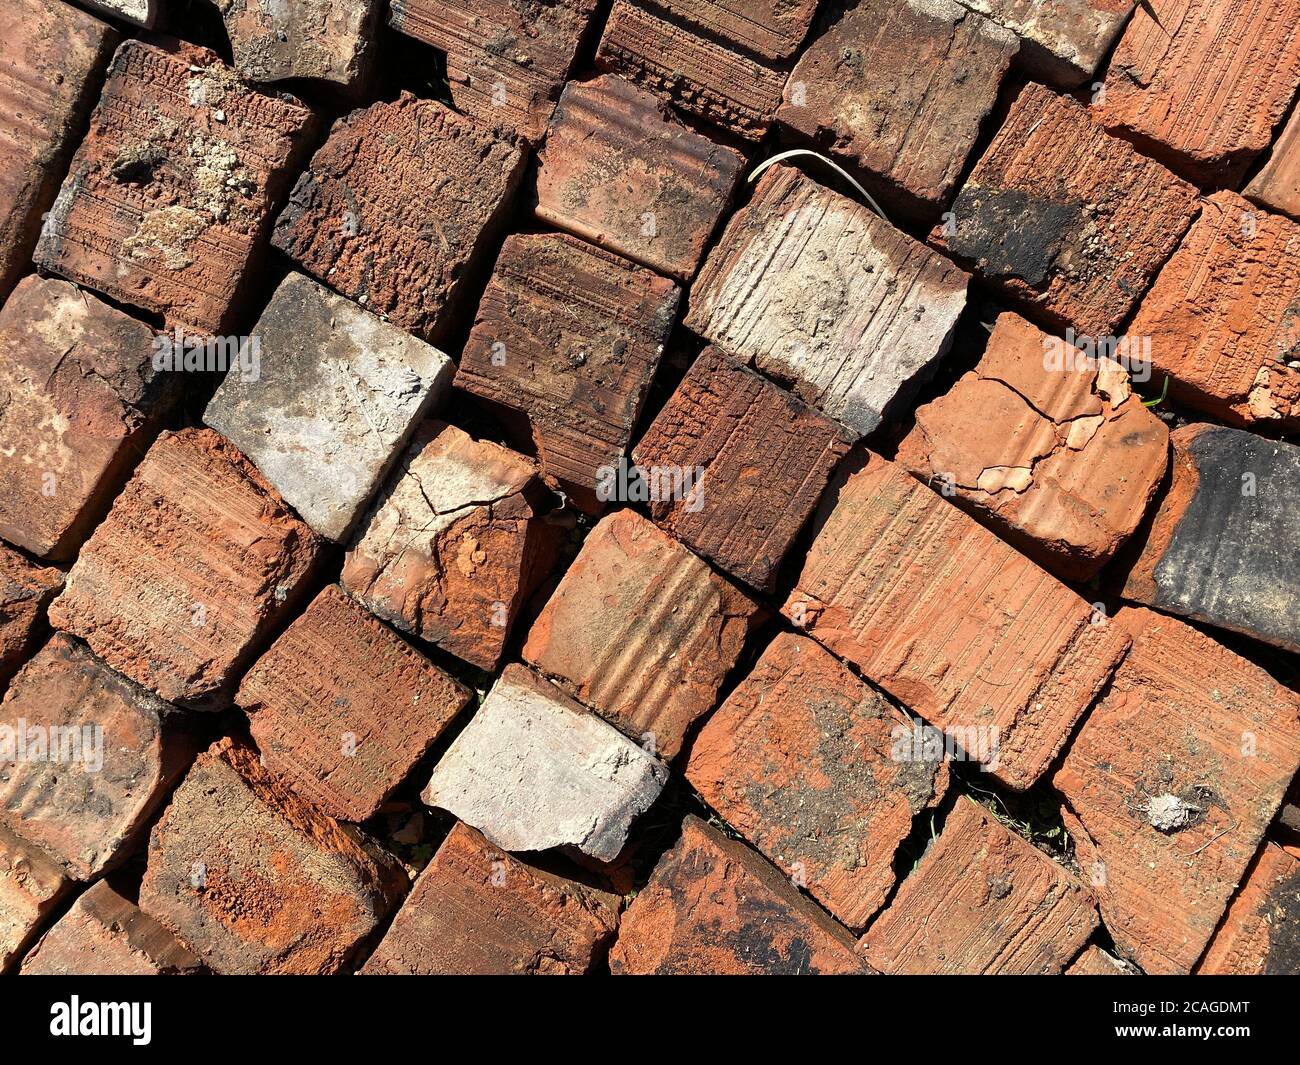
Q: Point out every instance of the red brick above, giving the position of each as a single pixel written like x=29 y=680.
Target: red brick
x=1096 y=962
x=506 y=59
x=759 y=461
x=1277 y=185
x=256 y=881
x=1051 y=451
x=802 y=759
x=1080 y=248
x=565 y=345
x=53 y=61
x=618 y=170
x=1224 y=316
x=342 y=708
x=715 y=907
x=456 y=544
x=983 y=901
x=477 y=911
x=773 y=29
x=951 y=621
x=641 y=630
x=32 y=884
x=1261 y=933
x=196 y=561
x=139 y=12
x=1171 y=782
x=899 y=91
x=1202 y=83
x=398 y=206
x=170 y=194
x=106 y=935
x=25 y=592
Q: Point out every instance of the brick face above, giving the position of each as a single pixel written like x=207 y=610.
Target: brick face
x=773 y=29
x=1261 y=933
x=31 y=885
x=1277 y=185
x=25 y=592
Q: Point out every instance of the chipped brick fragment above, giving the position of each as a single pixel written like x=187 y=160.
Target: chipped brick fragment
x=32 y=884
x=140 y=12
x=951 y=621
x=1277 y=185
x=773 y=29
x=759 y=460
x=196 y=561
x=25 y=592
x=342 y=708
x=398 y=206
x=455 y=545
x=820 y=293
x=641 y=630
x=477 y=911
x=1261 y=933
x=1171 y=783
x=802 y=759
x=982 y=901
x=1096 y=962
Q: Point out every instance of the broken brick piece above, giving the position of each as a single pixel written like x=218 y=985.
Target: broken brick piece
x=1201 y=84
x=758 y=461
x=857 y=93
x=1222 y=547
x=1062 y=42
x=89 y=757
x=398 y=206
x=1080 y=249
x=506 y=59
x=477 y=911
x=1096 y=962
x=170 y=194
x=1046 y=445
x=140 y=12
x=455 y=545
x=812 y=766
x=1171 y=783
x=341 y=707
x=255 y=880
x=331 y=404
x=1277 y=185
x=641 y=630
x=620 y=171
x=1223 y=317
x=534 y=770
x=951 y=621
x=25 y=592
x=53 y=61
x=773 y=29
x=818 y=291
x=31 y=885
x=701 y=76
x=79 y=403
x=1261 y=934
x=715 y=907
x=106 y=935
x=197 y=559
x=565 y=345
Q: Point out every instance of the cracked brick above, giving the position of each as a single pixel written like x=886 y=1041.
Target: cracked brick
x=25 y=592
x=1277 y=185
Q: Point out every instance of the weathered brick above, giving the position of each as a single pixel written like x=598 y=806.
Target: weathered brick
x=456 y=544
x=140 y=12
x=79 y=403
x=899 y=91
x=811 y=765
x=25 y=592
x=333 y=403
x=53 y=61
x=983 y=901
x=170 y=194
x=641 y=630
x=1277 y=185
x=1046 y=445
x=534 y=770
x=565 y=345
x=773 y=29
x=256 y=881
x=477 y=911
x=1096 y=962
x=106 y=935
x=195 y=562
x=702 y=76
x=398 y=206
x=86 y=757
x=951 y=621
x=1261 y=933
x=1222 y=546
x=1171 y=783
x=31 y=885
x=342 y=708
x=1224 y=315
x=760 y=460
x=715 y=907
x=1202 y=83
x=506 y=59
x=819 y=292
x=1077 y=248
x=620 y=171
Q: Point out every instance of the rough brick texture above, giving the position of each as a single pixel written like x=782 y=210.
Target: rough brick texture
x=140 y=12
x=31 y=885
x=773 y=29
x=1277 y=185
x=1062 y=41
x=195 y=562
x=25 y=592
x=1096 y=962
x=1261 y=933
